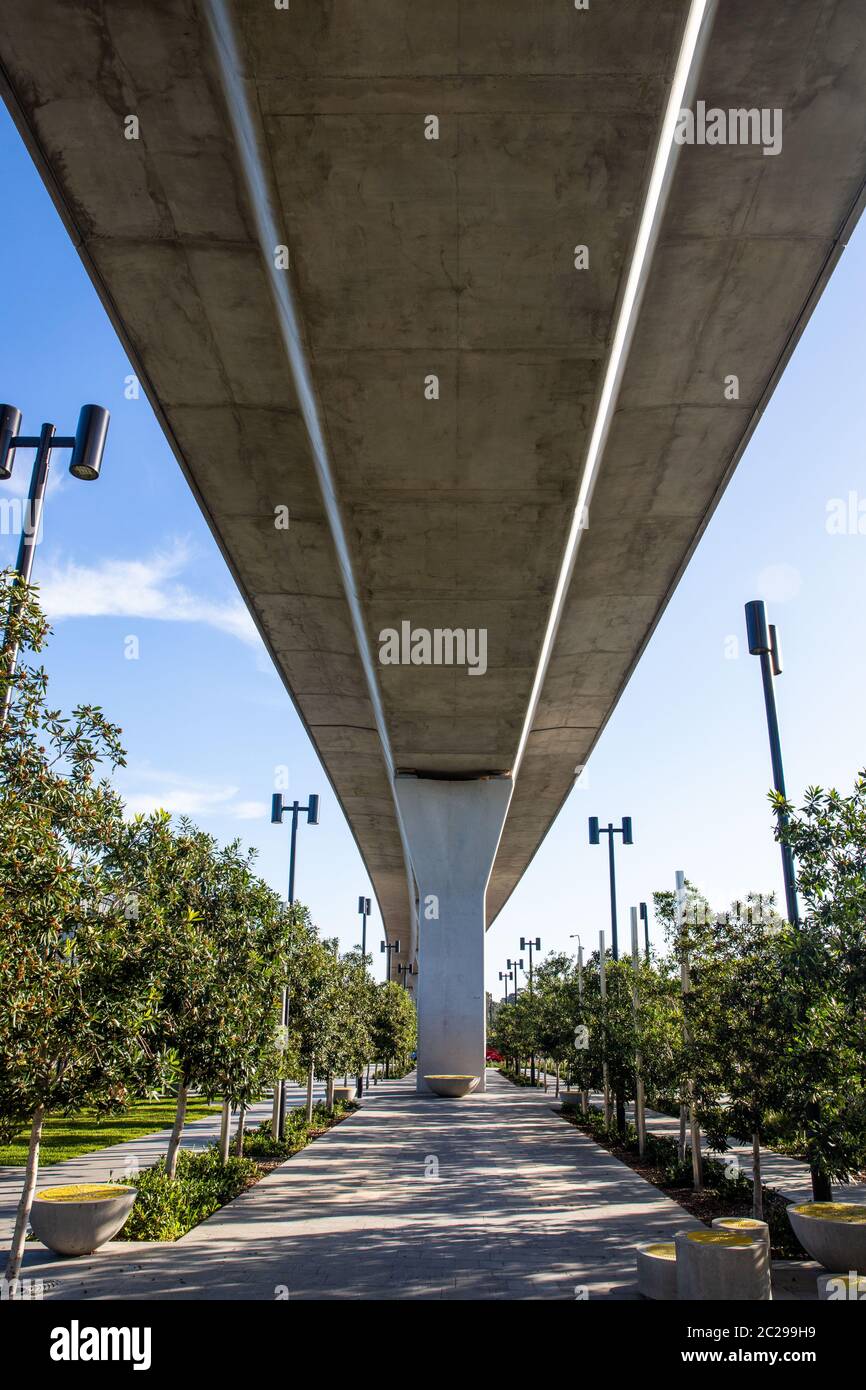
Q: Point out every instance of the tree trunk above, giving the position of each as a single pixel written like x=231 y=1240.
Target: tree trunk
x=822 y=1191
x=239 y=1133
x=225 y=1126
x=757 y=1189
x=16 y=1251
x=329 y=1095
x=177 y=1131
x=556 y=1092
x=310 y=1078
x=682 y=1143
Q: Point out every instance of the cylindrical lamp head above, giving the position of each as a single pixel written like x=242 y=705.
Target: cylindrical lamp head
x=313 y=811
x=277 y=808
x=626 y=831
x=756 y=627
x=593 y=830
x=89 y=445
x=538 y=943
x=10 y=426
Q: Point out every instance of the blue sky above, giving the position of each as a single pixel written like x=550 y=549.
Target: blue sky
x=206 y=720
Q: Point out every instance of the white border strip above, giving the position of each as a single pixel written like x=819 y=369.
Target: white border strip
x=698 y=25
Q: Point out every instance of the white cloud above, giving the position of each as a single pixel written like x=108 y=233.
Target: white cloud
x=183 y=796
x=139 y=589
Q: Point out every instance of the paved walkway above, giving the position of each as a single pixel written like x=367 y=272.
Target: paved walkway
x=488 y=1197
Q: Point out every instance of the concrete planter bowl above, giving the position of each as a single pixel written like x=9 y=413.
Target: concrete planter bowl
x=717 y=1266
x=453 y=1086
x=346 y=1093
x=743 y=1226
x=834 y=1233
x=657 y=1270
x=77 y=1220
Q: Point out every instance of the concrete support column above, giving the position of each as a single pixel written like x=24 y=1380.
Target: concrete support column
x=452 y=831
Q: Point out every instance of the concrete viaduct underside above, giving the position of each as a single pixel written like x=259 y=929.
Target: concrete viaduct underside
x=437 y=279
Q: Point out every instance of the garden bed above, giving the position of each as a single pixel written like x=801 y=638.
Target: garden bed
x=722 y=1196
x=168 y=1208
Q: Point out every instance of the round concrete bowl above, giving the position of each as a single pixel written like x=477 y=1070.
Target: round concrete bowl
x=657 y=1270
x=742 y=1226
x=834 y=1233
x=453 y=1086
x=345 y=1093
x=720 y=1266
x=842 y=1288
x=77 y=1220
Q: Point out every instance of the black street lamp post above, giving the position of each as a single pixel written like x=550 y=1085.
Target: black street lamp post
x=389 y=946
x=644 y=916
x=364 y=909
x=595 y=833
x=764 y=642
x=536 y=944
x=515 y=965
x=88 y=447
x=278 y=809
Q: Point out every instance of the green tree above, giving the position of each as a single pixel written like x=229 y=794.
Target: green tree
x=346 y=1044
x=393 y=1023
x=78 y=1020
x=220 y=940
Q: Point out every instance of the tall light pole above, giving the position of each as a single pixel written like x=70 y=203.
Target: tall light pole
x=506 y=976
x=524 y=943
x=88 y=447
x=764 y=642
x=279 y=808
x=364 y=909
x=644 y=916
x=595 y=834
x=515 y=965
x=389 y=946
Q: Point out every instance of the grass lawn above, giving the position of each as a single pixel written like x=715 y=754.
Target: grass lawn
x=68 y=1136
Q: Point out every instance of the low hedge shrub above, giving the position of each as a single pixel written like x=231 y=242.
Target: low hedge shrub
x=166 y=1208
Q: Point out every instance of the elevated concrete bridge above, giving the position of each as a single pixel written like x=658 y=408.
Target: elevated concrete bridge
x=441 y=280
